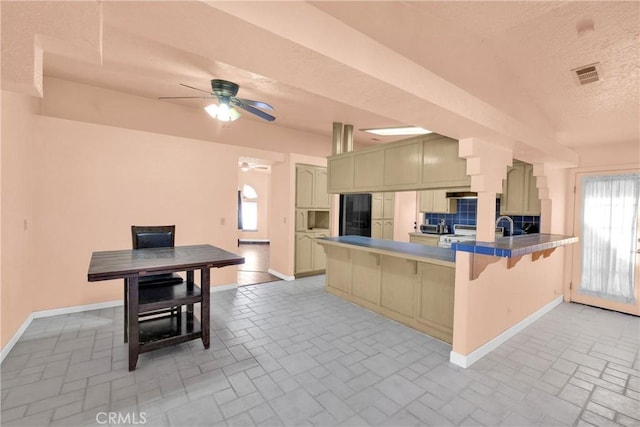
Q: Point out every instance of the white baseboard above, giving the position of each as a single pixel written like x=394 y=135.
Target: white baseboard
x=8 y=346
x=49 y=313
x=76 y=309
x=468 y=360
x=222 y=287
x=280 y=275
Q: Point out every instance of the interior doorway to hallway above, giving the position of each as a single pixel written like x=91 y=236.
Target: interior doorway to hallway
x=256 y=264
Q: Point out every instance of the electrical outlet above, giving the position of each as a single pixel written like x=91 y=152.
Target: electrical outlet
x=222 y=221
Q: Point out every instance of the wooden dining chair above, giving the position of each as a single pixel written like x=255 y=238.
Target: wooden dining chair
x=144 y=237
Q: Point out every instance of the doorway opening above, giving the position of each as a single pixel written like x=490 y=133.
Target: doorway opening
x=254 y=191
x=256 y=264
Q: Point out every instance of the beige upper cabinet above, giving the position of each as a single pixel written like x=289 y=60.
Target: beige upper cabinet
x=435 y=201
x=368 y=169
x=321 y=197
x=402 y=164
x=377 y=205
x=441 y=166
x=340 y=170
x=311 y=187
x=418 y=163
x=519 y=191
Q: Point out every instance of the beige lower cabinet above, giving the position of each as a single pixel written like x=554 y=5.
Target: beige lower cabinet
x=435 y=298
x=424 y=239
x=364 y=265
x=419 y=294
x=309 y=255
x=398 y=288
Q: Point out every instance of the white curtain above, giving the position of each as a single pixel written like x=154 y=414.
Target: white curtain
x=609 y=236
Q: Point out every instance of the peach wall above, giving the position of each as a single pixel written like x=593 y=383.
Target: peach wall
x=261 y=182
x=500 y=297
x=16 y=279
x=405 y=214
x=92 y=182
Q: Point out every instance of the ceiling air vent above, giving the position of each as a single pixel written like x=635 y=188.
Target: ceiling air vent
x=587 y=74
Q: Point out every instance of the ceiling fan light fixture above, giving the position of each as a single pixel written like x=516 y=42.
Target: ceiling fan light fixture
x=222 y=112
x=398 y=131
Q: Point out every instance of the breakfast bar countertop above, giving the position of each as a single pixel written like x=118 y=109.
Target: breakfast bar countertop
x=515 y=246
x=413 y=251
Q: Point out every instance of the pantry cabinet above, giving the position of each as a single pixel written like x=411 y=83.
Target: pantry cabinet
x=519 y=191
x=311 y=218
x=435 y=201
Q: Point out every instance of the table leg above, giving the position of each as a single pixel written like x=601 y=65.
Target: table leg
x=205 y=274
x=126 y=310
x=190 y=285
x=134 y=327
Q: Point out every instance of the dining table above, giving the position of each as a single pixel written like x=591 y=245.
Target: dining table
x=163 y=330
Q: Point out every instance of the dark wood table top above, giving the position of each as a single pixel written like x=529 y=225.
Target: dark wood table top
x=107 y=265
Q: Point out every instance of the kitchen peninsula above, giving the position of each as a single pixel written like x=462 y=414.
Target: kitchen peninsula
x=408 y=282
x=413 y=283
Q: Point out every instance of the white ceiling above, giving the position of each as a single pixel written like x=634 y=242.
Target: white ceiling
x=495 y=70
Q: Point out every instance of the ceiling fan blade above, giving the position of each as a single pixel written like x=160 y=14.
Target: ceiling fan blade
x=252 y=110
x=187 y=97
x=195 y=88
x=258 y=104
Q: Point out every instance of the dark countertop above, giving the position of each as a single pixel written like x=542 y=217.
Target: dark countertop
x=414 y=251
x=516 y=246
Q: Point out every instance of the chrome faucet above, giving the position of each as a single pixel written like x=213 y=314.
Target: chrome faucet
x=508 y=218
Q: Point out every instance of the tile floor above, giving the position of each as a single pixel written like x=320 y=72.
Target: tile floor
x=256 y=264
x=287 y=353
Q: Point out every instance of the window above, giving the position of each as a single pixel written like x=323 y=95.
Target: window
x=249 y=208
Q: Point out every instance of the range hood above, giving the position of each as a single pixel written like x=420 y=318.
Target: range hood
x=461 y=195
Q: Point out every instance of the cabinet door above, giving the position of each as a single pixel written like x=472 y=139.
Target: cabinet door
x=304 y=252
x=376 y=229
x=368 y=169
x=321 y=197
x=388 y=205
x=340 y=174
x=435 y=299
x=319 y=257
x=377 y=205
x=398 y=285
x=366 y=269
x=533 y=201
x=441 y=166
x=301 y=220
x=512 y=201
x=387 y=229
x=424 y=239
x=425 y=202
x=402 y=165
x=441 y=204
x=304 y=186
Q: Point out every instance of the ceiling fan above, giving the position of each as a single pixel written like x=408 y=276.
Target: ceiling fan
x=225 y=92
x=246 y=166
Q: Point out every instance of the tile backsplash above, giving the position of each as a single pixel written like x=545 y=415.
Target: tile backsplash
x=467 y=214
